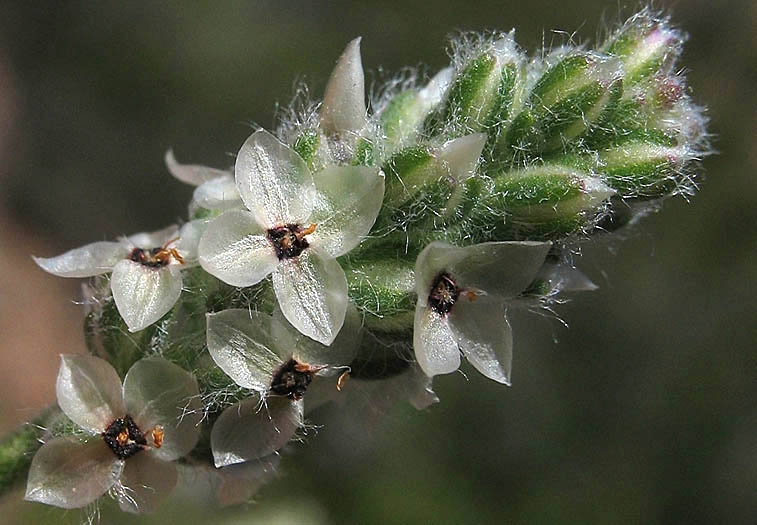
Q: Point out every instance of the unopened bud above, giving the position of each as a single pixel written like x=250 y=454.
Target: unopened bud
x=550 y=198
x=646 y=46
x=403 y=118
x=645 y=169
x=569 y=97
x=481 y=95
x=412 y=168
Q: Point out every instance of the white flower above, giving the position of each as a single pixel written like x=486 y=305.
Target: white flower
x=264 y=354
x=462 y=294
x=215 y=188
x=297 y=224
x=137 y=429
x=146 y=280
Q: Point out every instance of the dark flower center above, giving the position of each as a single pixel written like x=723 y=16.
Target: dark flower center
x=153 y=257
x=124 y=437
x=292 y=379
x=289 y=241
x=444 y=294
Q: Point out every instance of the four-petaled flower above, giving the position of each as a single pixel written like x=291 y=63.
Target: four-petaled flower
x=462 y=295
x=265 y=354
x=146 y=280
x=296 y=226
x=137 y=431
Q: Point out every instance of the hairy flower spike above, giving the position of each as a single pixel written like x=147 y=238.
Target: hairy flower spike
x=397 y=235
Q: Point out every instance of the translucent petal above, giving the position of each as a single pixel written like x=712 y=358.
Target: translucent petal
x=235 y=249
x=218 y=194
x=435 y=345
x=249 y=430
x=305 y=350
x=501 y=268
x=239 y=483
x=189 y=240
x=145 y=482
x=153 y=239
x=69 y=473
x=312 y=294
x=242 y=344
x=461 y=155
x=89 y=391
x=343 y=109
x=158 y=392
x=433 y=93
x=484 y=336
x=144 y=294
x=89 y=260
x=193 y=174
x=273 y=181
x=346 y=206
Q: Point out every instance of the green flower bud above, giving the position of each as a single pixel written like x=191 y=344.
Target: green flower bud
x=482 y=94
x=549 y=199
x=645 y=170
x=646 y=46
x=569 y=97
x=402 y=119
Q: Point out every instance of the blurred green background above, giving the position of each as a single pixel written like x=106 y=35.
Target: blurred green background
x=644 y=410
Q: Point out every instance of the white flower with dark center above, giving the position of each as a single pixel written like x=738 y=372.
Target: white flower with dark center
x=137 y=431
x=297 y=224
x=215 y=188
x=462 y=295
x=146 y=280
x=264 y=354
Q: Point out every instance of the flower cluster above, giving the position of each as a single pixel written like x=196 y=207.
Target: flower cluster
x=376 y=246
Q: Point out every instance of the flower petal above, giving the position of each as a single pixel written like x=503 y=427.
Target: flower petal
x=158 y=392
x=218 y=194
x=501 y=268
x=242 y=344
x=193 y=174
x=144 y=294
x=249 y=429
x=273 y=181
x=435 y=345
x=89 y=260
x=346 y=206
x=146 y=481
x=461 y=155
x=305 y=350
x=189 y=240
x=89 y=391
x=239 y=483
x=312 y=294
x=235 y=249
x=484 y=336
x=152 y=239
x=69 y=473
x=343 y=108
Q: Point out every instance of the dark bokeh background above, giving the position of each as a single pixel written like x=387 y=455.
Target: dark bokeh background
x=644 y=410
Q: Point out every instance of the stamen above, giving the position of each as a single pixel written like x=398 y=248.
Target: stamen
x=342 y=380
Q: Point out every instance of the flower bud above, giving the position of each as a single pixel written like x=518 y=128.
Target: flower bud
x=481 y=95
x=549 y=199
x=569 y=97
x=646 y=46
x=412 y=168
x=645 y=170
x=403 y=117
